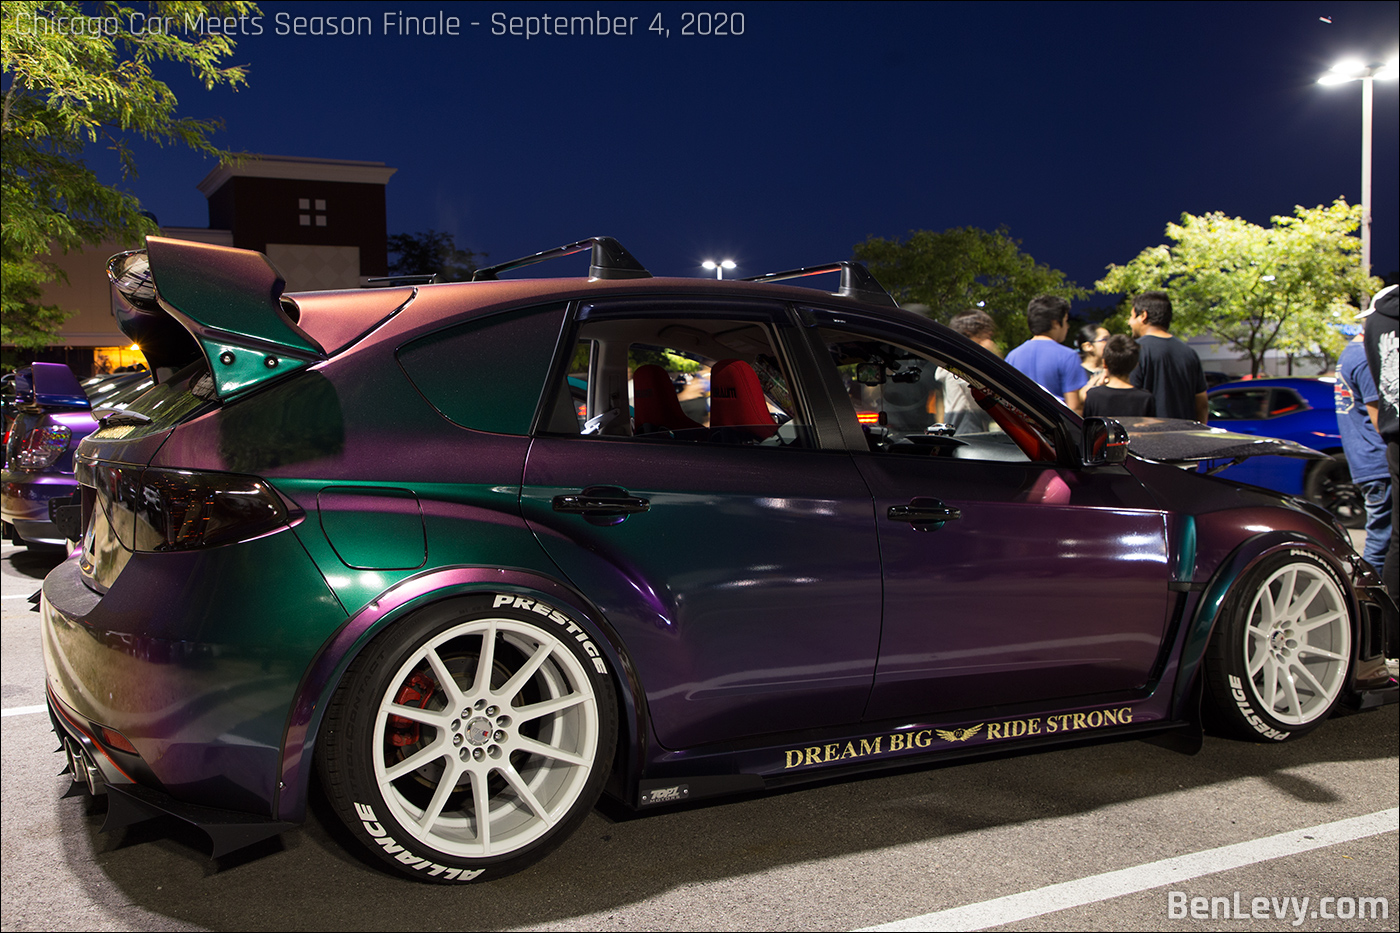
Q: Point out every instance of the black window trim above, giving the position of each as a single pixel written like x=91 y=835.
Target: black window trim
x=1065 y=427
x=778 y=316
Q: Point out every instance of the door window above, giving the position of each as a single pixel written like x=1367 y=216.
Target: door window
x=919 y=403
x=680 y=380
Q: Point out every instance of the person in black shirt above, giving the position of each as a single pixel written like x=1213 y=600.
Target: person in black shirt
x=1168 y=368
x=1117 y=396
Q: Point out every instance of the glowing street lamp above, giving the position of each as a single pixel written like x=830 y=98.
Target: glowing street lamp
x=1342 y=73
x=719 y=266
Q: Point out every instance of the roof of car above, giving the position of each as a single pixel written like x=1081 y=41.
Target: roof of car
x=335 y=319
x=1316 y=390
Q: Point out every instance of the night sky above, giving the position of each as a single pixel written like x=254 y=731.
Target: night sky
x=1083 y=128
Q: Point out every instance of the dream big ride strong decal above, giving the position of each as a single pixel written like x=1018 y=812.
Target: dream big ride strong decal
x=917 y=739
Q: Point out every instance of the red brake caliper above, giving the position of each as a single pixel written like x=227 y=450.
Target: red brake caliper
x=414 y=693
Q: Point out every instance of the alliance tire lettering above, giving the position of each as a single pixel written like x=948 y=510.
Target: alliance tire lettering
x=554 y=615
x=381 y=837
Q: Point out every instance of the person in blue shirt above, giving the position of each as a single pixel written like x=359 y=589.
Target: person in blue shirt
x=1045 y=358
x=1358 y=410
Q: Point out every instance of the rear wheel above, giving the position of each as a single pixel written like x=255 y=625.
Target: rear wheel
x=469 y=741
x=1281 y=653
x=1329 y=484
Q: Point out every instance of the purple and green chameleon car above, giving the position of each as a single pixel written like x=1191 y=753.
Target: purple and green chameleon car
x=470 y=555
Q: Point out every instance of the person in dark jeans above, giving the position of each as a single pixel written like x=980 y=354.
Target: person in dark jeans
x=1357 y=403
x=1117 y=396
x=1382 y=341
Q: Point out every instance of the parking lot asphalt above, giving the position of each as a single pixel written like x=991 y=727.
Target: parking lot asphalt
x=898 y=849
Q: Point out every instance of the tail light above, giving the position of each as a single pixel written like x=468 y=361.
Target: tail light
x=41 y=447
x=181 y=510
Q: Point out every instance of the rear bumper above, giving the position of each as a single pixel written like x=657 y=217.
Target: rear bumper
x=193 y=659
x=24 y=503
x=95 y=768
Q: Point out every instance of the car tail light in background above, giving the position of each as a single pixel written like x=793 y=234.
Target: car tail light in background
x=181 y=510
x=41 y=447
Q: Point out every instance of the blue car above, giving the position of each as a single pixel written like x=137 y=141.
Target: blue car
x=1300 y=410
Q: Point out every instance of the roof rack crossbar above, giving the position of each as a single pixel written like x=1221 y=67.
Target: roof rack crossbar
x=394 y=281
x=856 y=281
x=610 y=261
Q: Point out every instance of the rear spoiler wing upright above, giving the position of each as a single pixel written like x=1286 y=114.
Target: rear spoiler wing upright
x=179 y=300
x=50 y=385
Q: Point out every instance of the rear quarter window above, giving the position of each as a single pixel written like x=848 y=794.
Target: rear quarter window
x=487 y=373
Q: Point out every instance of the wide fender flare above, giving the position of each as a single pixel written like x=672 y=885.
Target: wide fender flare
x=323 y=676
x=1222 y=584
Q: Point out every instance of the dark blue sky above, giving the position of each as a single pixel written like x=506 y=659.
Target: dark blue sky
x=1084 y=128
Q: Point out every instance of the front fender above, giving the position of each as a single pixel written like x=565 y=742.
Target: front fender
x=324 y=674
x=1221 y=584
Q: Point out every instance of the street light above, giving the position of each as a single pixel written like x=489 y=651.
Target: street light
x=719 y=266
x=1354 y=70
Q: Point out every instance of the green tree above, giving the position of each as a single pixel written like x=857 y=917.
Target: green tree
x=431 y=253
x=77 y=75
x=1255 y=289
x=965 y=267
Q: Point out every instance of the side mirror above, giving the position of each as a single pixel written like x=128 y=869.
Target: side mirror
x=1105 y=442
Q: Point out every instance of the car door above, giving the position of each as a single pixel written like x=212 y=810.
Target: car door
x=1009 y=576
x=735 y=554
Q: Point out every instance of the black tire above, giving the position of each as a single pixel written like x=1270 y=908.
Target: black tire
x=1329 y=484
x=531 y=750
x=1281 y=653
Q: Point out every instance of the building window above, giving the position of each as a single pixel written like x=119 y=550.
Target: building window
x=305 y=220
x=320 y=204
x=304 y=204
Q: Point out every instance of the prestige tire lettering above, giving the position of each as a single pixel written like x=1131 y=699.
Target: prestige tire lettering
x=1242 y=701
x=554 y=615
x=382 y=837
x=1279 y=658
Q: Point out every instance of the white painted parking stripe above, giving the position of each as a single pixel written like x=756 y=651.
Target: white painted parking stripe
x=1112 y=884
x=16 y=596
x=22 y=710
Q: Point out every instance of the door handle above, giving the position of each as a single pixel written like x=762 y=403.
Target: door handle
x=606 y=504
x=924 y=514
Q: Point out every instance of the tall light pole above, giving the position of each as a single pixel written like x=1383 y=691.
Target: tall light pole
x=719 y=266
x=1354 y=70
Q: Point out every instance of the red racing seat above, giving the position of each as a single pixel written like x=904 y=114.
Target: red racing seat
x=737 y=402
x=654 y=403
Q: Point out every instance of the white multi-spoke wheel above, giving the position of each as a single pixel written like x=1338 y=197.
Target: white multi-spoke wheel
x=1281 y=653
x=468 y=741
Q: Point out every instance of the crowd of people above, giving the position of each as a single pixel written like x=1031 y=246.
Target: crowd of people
x=1152 y=373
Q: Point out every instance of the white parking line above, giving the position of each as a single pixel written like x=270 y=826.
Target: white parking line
x=22 y=710
x=1112 y=884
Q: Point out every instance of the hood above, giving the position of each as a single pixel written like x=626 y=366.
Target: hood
x=1171 y=440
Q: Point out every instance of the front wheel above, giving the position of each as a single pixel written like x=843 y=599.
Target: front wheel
x=1282 y=650
x=468 y=741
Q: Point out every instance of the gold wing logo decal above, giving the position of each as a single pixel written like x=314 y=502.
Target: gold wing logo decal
x=959 y=735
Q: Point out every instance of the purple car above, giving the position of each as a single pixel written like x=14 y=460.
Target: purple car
x=467 y=556
x=52 y=412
